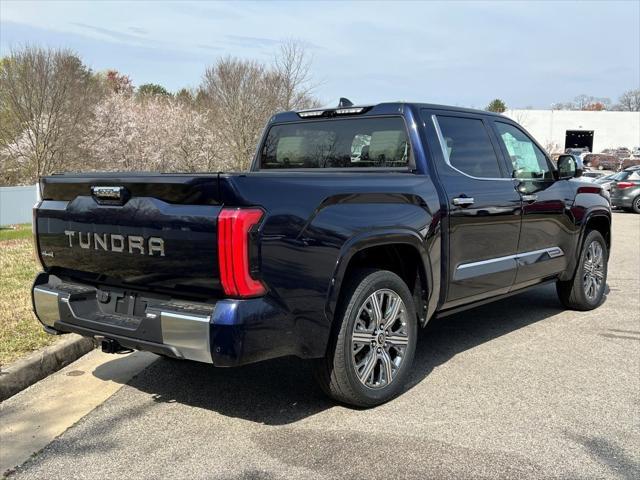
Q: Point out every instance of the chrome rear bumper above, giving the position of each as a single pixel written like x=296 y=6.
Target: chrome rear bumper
x=227 y=333
x=184 y=328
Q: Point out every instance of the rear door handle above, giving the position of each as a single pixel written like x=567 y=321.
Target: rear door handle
x=463 y=201
x=530 y=197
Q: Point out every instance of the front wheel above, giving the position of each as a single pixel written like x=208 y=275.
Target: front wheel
x=372 y=347
x=585 y=291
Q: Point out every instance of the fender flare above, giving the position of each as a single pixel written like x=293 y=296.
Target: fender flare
x=376 y=238
x=593 y=212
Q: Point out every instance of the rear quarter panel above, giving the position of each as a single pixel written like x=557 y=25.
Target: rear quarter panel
x=314 y=222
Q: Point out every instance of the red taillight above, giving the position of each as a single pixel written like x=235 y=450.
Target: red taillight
x=623 y=185
x=234 y=225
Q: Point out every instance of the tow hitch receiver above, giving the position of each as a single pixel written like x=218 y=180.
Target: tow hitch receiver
x=110 y=345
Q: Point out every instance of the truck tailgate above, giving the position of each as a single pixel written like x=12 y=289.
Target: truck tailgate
x=141 y=231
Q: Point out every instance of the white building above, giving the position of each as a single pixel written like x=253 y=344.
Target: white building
x=557 y=130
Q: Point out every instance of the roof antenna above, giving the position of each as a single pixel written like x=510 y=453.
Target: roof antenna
x=345 y=102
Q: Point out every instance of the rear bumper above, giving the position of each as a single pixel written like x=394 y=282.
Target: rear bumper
x=226 y=333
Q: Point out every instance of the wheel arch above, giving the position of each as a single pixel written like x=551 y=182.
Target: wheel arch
x=596 y=219
x=602 y=223
x=385 y=250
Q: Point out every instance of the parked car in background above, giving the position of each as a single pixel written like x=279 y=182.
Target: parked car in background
x=625 y=190
x=601 y=161
x=591 y=175
x=629 y=162
x=577 y=152
x=606 y=181
x=622 y=152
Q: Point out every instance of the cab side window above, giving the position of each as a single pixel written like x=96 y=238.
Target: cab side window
x=467 y=147
x=528 y=161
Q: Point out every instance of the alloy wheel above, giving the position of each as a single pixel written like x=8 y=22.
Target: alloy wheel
x=379 y=338
x=593 y=270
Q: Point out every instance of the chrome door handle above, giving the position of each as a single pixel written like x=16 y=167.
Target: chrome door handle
x=530 y=198
x=463 y=201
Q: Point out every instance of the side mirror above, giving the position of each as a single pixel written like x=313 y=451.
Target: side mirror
x=569 y=166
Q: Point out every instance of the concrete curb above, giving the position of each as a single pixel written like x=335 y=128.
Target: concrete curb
x=27 y=371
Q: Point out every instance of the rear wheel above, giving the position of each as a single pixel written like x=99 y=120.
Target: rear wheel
x=372 y=348
x=635 y=206
x=585 y=290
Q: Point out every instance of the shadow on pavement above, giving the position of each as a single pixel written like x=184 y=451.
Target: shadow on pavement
x=283 y=391
x=607 y=453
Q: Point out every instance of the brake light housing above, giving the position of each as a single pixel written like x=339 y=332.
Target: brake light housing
x=623 y=185
x=234 y=230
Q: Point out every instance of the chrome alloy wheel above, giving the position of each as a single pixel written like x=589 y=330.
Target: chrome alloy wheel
x=379 y=339
x=593 y=270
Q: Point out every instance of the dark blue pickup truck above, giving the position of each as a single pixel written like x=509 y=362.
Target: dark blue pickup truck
x=353 y=228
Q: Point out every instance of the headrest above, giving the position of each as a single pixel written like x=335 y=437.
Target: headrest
x=387 y=145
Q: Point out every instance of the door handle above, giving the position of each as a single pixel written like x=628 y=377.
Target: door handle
x=530 y=197
x=463 y=201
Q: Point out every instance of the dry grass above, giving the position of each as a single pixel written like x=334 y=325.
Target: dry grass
x=20 y=331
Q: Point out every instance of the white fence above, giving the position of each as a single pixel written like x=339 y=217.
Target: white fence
x=16 y=204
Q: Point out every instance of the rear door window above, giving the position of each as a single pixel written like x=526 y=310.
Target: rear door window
x=467 y=147
x=343 y=143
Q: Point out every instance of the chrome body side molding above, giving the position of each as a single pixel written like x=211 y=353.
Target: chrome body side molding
x=502 y=264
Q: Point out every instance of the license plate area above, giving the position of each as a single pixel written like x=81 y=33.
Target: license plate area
x=121 y=302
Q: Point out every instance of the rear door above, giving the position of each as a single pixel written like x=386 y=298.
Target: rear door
x=484 y=207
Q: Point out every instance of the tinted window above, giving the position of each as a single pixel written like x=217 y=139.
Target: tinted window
x=468 y=146
x=348 y=143
x=529 y=162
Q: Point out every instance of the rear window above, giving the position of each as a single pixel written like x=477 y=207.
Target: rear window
x=345 y=143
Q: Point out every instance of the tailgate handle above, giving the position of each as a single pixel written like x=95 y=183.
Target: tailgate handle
x=109 y=195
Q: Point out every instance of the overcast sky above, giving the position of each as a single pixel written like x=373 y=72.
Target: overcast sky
x=466 y=53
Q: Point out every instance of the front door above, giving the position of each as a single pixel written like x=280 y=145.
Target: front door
x=547 y=235
x=484 y=208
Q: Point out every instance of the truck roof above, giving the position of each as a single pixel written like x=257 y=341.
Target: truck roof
x=380 y=109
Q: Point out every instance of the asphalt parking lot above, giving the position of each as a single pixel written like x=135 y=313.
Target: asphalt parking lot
x=515 y=389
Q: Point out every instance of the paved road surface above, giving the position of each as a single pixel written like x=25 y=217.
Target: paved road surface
x=515 y=389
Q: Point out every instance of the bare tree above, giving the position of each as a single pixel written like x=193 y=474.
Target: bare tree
x=241 y=95
x=44 y=97
x=584 y=102
x=292 y=66
x=629 y=101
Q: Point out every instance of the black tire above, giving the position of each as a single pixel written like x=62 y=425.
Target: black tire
x=337 y=373
x=572 y=292
x=635 y=205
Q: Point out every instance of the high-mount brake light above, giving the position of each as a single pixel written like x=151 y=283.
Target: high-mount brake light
x=234 y=227
x=348 y=111
x=623 y=185
x=312 y=113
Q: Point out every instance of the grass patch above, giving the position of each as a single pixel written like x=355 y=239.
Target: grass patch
x=15 y=232
x=20 y=331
